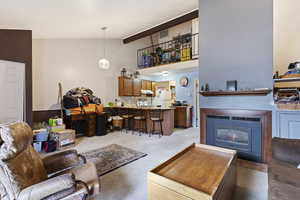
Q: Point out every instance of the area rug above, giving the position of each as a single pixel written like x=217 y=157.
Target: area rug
x=112 y=157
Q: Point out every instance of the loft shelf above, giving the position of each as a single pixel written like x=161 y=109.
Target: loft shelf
x=237 y=93
x=181 y=48
x=173 y=67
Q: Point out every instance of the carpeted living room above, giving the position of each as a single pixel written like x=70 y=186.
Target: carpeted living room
x=149 y=100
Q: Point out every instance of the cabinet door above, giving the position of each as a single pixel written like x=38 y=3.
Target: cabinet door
x=125 y=86
x=144 y=85
x=289 y=125
x=149 y=85
x=128 y=86
x=154 y=88
x=137 y=86
x=181 y=117
x=121 y=87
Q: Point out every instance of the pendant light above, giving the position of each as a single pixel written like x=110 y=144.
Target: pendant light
x=104 y=63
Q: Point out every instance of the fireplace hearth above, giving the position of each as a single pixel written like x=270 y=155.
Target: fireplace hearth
x=247 y=131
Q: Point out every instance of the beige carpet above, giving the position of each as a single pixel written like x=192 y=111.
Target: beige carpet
x=130 y=182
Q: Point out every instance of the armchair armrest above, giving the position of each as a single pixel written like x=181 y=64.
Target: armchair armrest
x=59 y=186
x=287 y=150
x=62 y=161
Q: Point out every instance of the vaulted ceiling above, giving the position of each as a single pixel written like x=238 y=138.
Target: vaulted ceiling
x=84 y=18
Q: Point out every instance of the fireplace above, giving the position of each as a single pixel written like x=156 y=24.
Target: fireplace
x=241 y=134
x=247 y=131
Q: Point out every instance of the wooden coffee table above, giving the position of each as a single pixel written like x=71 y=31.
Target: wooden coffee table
x=199 y=172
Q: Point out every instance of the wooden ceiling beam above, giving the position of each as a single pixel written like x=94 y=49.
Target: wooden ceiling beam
x=179 y=20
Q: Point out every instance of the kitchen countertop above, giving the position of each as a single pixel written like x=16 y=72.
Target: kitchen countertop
x=145 y=108
x=184 y=106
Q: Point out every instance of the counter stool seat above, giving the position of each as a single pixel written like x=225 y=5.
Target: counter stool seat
x=155 y=119
x=127 y=116
x=139 y=117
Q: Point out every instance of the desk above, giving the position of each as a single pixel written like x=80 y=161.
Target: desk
x=90 y=123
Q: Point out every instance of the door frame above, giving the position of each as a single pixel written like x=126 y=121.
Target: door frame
x=17 y=47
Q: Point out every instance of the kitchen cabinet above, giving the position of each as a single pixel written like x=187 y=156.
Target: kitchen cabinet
x=125 y=86
x=153 y=88
x=146 y=85
x=183 y=116
x=288 y=124
x=132 y=87
x=149 y=85
x=137 y=86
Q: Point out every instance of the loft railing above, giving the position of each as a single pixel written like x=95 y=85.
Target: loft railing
x=181 y=48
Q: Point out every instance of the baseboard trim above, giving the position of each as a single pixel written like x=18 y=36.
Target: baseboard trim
x=44 y=115
x=262 y=167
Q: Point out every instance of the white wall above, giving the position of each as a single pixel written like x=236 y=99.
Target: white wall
x=286 y=34
x=73 y=62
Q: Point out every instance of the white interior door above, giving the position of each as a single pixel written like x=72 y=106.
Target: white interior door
x=12 y=91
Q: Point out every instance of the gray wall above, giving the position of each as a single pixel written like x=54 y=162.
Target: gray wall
x=236 y=43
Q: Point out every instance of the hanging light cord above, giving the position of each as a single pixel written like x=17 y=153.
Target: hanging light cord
x=104 y=34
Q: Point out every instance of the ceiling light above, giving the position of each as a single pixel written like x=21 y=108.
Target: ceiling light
x=165 y=73
x=104 y=63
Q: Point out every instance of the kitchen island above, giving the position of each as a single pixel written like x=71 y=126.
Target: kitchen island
x=167 y=113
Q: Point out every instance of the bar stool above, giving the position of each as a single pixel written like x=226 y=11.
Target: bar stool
x=127 y=119
x=156 y=117
x=140 y=122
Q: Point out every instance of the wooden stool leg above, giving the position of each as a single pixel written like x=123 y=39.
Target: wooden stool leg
x=151 y=131
x=161 y=129
x=145 y=126
x=133 y=126
x=140 y=127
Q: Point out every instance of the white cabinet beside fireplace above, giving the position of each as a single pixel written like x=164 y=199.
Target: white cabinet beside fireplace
x=288 y=124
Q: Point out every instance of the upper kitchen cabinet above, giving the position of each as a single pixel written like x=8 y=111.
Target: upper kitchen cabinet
x=146 y=85
x=125 y=86
x=154 y=88
x=137 y=87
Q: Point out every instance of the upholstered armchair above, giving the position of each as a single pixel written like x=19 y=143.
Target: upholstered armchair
x=283 y=174
x=24 y=175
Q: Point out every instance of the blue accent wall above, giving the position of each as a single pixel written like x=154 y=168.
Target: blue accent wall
x=236 y=43
x=183 y=93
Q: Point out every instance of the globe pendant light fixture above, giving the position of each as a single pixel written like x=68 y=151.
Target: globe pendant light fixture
x=104 y=63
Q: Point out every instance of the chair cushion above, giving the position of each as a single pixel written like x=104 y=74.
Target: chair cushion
x=56 y=188
x=3 y=192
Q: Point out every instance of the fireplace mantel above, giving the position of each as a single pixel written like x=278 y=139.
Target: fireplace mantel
x=266 y=120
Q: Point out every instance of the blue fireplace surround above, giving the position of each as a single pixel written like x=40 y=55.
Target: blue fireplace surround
x=238 y=133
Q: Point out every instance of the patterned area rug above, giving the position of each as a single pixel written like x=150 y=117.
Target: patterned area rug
x=112 y=157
